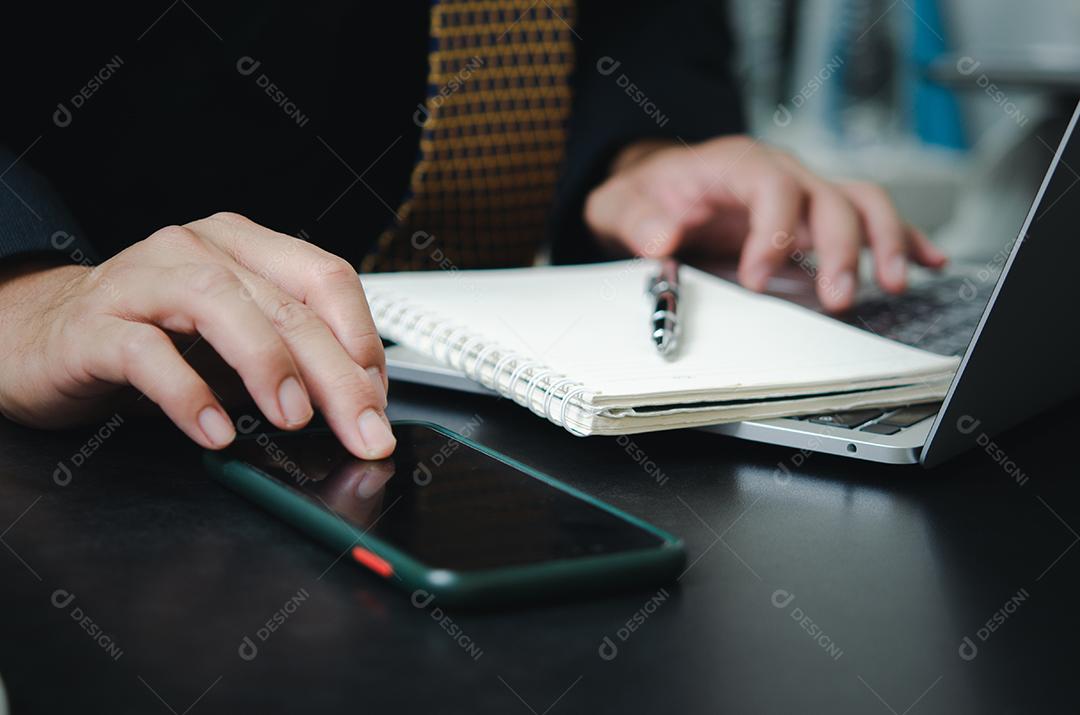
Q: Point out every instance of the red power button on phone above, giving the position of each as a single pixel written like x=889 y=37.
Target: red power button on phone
x=373 y=562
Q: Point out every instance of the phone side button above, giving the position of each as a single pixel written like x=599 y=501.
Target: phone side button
x=373 y=562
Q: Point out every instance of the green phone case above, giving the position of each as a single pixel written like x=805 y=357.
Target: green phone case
x=461 y=588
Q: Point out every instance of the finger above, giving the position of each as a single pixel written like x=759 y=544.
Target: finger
x=144 y=357
x=923 y=251
x=885 y=232
x=350 y=397
x=836 y=231
x=618 y=211
x=776 y=204
x=209 y=300
x=317 y=278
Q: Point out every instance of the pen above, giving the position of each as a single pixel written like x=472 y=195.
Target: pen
x=664 y=322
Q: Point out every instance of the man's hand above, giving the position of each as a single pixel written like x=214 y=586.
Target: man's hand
x=734 y=196
x=288 y=317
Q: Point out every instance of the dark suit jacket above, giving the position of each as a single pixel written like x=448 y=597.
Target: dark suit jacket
x=118 y=121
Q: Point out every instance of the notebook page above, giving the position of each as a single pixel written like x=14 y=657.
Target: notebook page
x=590 y=323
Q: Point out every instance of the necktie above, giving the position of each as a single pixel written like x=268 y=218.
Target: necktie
x=492 y=139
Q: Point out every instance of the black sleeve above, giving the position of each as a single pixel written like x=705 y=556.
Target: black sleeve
x=644 y=69
x=33 y=219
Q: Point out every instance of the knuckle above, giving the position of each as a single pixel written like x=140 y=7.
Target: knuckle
x=874 y=193
x=270 y=356
x=783 y=182
x=185 y=393
x=177 y=237
x=208 y=278
x=139 y=343
x=353 y=387
x=366 y=349
x=333 y=269
x=290 y=316
x=229 y=217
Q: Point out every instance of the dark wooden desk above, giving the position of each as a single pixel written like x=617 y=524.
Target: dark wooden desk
x=848 y=587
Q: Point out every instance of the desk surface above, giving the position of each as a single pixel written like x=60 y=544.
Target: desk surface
x=131 y=585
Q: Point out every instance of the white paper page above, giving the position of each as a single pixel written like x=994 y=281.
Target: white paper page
x=591 y=323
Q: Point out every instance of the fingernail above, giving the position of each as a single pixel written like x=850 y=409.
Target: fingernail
x=369 y=484
x=216 y=426
x=294 y=402
x=375 y=432
x=376 y=380
x=897 y=268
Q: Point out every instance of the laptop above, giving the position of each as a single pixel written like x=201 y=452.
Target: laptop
x=1008 y=318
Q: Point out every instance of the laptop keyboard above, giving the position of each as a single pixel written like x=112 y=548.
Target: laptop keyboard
x=885 y=421
x=940 y=316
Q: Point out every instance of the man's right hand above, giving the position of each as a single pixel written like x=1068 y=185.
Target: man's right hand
x=290 y=318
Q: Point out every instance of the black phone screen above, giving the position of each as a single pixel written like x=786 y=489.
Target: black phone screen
x=446 y=504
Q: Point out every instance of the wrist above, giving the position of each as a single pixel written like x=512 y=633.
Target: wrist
x=28 y=284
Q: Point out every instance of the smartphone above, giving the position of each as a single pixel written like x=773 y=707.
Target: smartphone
x=447 y=519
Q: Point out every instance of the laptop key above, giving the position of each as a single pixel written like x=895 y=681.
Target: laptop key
x=847 y=420
x=880 y=428
x=907 y=416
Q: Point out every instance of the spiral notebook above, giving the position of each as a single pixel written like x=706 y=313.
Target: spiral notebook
x=572 y=343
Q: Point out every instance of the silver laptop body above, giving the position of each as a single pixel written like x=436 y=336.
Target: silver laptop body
x=1011 y=320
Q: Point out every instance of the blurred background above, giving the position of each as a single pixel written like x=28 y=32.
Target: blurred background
x=955 y=106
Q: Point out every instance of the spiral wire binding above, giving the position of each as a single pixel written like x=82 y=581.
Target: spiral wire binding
x=457 y=344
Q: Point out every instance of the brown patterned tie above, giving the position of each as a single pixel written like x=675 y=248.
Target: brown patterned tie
x=493 y=140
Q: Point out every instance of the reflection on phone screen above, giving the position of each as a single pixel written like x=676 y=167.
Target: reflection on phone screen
x=443 y=502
